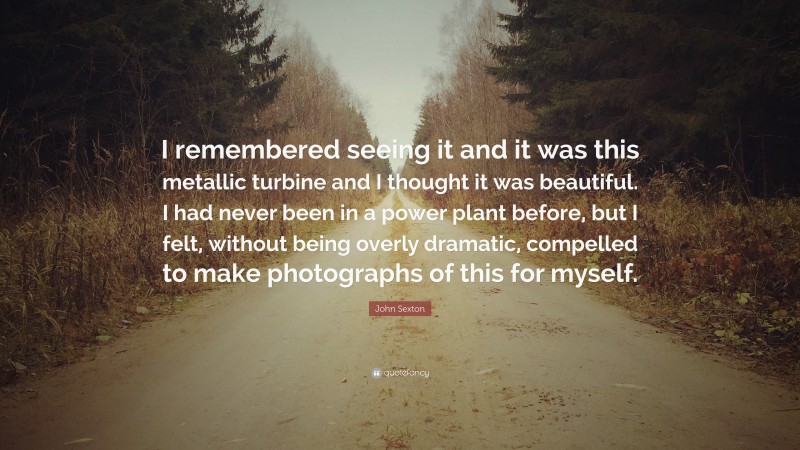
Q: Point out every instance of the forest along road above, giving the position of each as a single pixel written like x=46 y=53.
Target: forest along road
x=511 y=366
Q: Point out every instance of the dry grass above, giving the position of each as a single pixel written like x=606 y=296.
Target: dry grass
x=78 y=258
x=397 y=437
x=711 y=264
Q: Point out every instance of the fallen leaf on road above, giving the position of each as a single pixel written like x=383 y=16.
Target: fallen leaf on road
x=79 y=441
x=284 y=421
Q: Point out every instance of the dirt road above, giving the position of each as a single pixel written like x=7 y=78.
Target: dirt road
x=511 y=366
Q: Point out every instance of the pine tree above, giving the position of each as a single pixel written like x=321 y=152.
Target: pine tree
x=711 y=81
x=79 y=74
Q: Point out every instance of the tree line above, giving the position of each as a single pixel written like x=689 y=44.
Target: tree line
x=89 y=76
x=708 y=90
x=715 y=84
x=90 y=89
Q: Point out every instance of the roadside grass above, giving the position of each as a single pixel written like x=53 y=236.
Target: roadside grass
x=720 y=270
x=78 y=259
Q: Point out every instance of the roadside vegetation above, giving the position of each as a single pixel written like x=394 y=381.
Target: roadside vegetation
x=719 y=244
x=81 y=232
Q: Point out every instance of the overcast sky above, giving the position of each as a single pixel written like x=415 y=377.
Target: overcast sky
x=384 y=51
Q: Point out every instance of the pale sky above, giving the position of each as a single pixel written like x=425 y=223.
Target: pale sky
x=383 y=50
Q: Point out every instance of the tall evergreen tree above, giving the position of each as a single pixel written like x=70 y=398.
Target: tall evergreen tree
x=712 y=81
x=129 y=72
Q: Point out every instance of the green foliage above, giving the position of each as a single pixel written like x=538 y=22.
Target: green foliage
x=710 y=81
x=743 y=297
x=592 y=260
